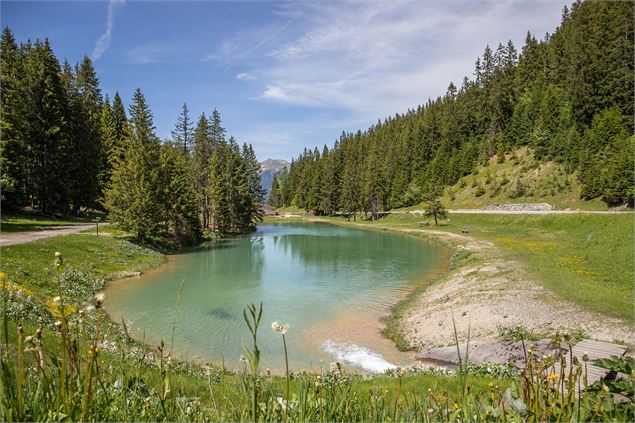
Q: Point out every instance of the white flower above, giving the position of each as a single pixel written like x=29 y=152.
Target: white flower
x=277 y=327
x=58 y=254
x=57 y=299
x=99 y=299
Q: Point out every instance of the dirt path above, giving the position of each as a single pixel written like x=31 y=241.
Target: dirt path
x=534 y=212
x=13 y=238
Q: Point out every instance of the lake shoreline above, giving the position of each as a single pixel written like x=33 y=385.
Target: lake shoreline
x=482 y=291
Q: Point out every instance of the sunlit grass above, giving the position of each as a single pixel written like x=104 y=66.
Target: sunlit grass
x=587 y=259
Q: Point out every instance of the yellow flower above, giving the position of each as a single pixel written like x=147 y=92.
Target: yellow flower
x=553 y=376
x=456 y=406
x=490 y=385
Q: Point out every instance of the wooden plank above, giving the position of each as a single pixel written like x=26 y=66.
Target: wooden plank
x=594 y=350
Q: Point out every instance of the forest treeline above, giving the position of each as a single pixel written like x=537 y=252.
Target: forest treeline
x=66 y=148
x=568 y=96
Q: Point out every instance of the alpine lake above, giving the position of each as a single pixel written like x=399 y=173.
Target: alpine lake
x=330 y=284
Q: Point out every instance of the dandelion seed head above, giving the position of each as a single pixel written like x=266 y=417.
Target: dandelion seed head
x=281 y=329
x=99 y=299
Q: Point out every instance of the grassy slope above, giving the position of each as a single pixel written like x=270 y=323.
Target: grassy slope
x=31 y=264
x=539 y=182
x=587 y=259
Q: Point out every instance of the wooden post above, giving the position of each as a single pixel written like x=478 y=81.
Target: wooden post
x=96 y=220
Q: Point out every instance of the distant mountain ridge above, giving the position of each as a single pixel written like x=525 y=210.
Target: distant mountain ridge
x=268 y=168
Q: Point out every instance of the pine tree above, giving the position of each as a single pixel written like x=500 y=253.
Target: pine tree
x=256 y=194
x=201 y=164
x=44 y=130
x=182 y=133
x=13 y=146
x=110 y=150
x=122 y=130
x=134 y=200
x=217 y=190
x=86 y=137
x=180 y=215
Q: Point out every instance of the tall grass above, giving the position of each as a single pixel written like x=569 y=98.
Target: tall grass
x=80 y=372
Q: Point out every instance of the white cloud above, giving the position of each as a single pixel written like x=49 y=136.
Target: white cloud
x=245 y=76
x=377 y=58
x=104 y=41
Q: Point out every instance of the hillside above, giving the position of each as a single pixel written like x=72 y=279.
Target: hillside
x=518 y=178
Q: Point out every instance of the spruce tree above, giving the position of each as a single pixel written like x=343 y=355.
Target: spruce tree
x=134 y=200
x=180 y=214
x=13 y=145
x=182 y=133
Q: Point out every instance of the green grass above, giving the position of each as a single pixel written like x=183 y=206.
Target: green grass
x=94 y=372
x=31 y=264
x=587 y=259
x=21 y=222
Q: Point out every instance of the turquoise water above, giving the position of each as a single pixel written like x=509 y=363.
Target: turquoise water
x=330 y=284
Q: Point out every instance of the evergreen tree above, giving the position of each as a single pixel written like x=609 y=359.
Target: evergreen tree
x=43 y=127
x=182 y=133
x=181 y=218
x=135 y=200
x=110 y=149
x=122 y=130
x=13 y=145
x=202 y=167
x=86 y=137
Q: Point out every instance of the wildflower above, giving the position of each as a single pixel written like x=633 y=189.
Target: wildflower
x=243 y=359
x=605 y=389
x=456 y=406
x=281 y=329
x=268 y=372
x=57 y=299
x=430 y=411
x=553 y=376
x=490 y=385
x=282 y=403
x=58 y=324
x=99 y=299
x=58 y=259
x=585 y=356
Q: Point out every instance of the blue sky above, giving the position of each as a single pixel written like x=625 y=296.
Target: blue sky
x=284 y=75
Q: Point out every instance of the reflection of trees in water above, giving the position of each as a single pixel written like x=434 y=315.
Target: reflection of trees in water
x=239 y=260
x=255 y=260
x=371 y=251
